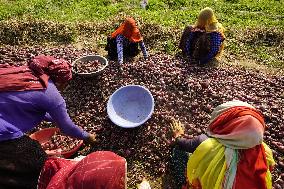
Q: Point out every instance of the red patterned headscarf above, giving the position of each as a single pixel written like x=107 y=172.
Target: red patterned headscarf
x=129 y=30
x=101 y=169
x=35 y=75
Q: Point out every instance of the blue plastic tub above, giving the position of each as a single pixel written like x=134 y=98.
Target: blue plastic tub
x=130 y=106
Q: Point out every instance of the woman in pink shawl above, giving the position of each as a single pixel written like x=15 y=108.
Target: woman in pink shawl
x=98 y=170
x=101 y=169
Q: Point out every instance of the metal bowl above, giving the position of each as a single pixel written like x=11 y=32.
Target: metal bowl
x=87 y=58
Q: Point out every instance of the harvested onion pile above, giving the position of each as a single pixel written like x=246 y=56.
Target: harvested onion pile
x=181 y=91
x=62 y=142
x=89 y=66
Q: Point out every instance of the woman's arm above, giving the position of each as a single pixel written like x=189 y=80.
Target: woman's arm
x=215 y=44
x=51 y=102
x=188 y=49
x=48 y=118
x=65 y=124
x=119 y=45
x=189 y=145
x=184 y=37
x=143 y=49
x=184 y=144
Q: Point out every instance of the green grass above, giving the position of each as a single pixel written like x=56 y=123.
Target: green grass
x=97 y=18
x=167 y=13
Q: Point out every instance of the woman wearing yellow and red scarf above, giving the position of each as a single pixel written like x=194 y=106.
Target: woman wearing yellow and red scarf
x=233 y=154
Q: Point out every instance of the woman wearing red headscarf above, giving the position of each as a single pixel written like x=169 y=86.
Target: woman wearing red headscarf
x=98 y=170
x=28 y=95
x=125 y=40
x=231 y=156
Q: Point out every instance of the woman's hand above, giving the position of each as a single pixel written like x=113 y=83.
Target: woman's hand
x=91 y=139
x=144 y=184
x=177 y=128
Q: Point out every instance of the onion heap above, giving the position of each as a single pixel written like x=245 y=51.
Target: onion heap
x=62 y=142
x=88 y=66
x=182 y=91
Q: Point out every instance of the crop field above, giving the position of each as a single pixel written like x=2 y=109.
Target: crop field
x=254 y=27
x=251 y=70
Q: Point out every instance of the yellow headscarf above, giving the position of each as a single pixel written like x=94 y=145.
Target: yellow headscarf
x=208 y=21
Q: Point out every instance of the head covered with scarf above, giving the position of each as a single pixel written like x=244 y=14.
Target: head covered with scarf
x=35 y=75
x=235 y=155
x=129 y=30
x=208 y=21
x=100 y=170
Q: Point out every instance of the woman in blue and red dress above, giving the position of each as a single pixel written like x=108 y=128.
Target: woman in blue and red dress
x=28 y=95
x=203 y=41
